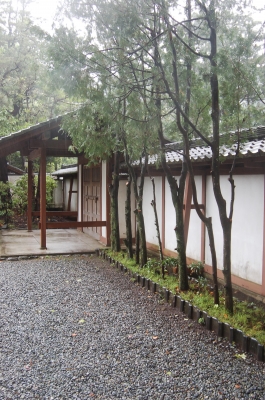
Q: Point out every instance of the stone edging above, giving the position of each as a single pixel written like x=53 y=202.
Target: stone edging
x=223 y=330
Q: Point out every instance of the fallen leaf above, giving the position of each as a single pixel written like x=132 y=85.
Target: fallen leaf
x=81 y=321
x=155 y=337
x=169 y=373
x=78 y=280
x=242 y=356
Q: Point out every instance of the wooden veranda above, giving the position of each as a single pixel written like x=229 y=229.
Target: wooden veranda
x=41 y=141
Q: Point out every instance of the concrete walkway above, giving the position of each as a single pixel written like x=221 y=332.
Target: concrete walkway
x=15 y=243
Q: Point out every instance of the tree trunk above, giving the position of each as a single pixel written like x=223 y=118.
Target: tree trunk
x=181 y=246
x=227 y=231
x=141 y=229
x=114 y=211
x=128 y=241
x=209 y=227
x=138 y=193
x=137 y=247
x=177 y=194
x=221 y=203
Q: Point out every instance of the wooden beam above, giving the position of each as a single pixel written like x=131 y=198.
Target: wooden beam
x=43 y=198
x=46 y=135
x=74 y=224
x=56 y=213
x=34 y=154
x=49 y=144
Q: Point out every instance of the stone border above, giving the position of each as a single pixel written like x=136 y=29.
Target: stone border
x=221 y=329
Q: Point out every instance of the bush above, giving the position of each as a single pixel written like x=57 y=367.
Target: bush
x=20 y=192
x=6 y=209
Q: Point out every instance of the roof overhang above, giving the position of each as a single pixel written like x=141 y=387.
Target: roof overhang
x=30 y=141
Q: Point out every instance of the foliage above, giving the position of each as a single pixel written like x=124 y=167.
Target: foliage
x=196 y=268
x=247 y=317
x=27 y=95
x=20 y=192
x=6 y=209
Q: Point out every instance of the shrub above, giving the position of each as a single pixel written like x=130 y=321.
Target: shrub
x=20 y=192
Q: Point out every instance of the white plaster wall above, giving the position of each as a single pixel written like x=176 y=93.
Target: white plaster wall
x=121 y=204
x=104 y=196
x=148 y=210
x=170 y=220
x=247 y=229
x=193 y=249
x=58 y=194
x=14 y=178
x=74 y=195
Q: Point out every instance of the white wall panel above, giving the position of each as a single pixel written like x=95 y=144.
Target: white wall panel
x=247 y=229
x=170 y=220
x=148 y=210
x=193 y=249
x=121 y=200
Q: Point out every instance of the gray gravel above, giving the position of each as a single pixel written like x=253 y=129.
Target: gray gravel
x=77 y=328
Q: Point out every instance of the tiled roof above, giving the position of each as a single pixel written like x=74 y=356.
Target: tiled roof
x=253 y=146
x=65 y=171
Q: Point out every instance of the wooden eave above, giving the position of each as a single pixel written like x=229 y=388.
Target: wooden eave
x=30 y=141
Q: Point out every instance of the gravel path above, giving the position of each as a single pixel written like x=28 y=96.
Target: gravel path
x=76 y=328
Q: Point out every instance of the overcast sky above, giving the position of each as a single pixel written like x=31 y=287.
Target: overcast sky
x=45 y=10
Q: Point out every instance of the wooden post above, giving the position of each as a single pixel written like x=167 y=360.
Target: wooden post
x=70 y=194
x=81 y=193
x=108 y=182
x=263 y=258
x=30 y=194
x=43 y=198
x=163 y=236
